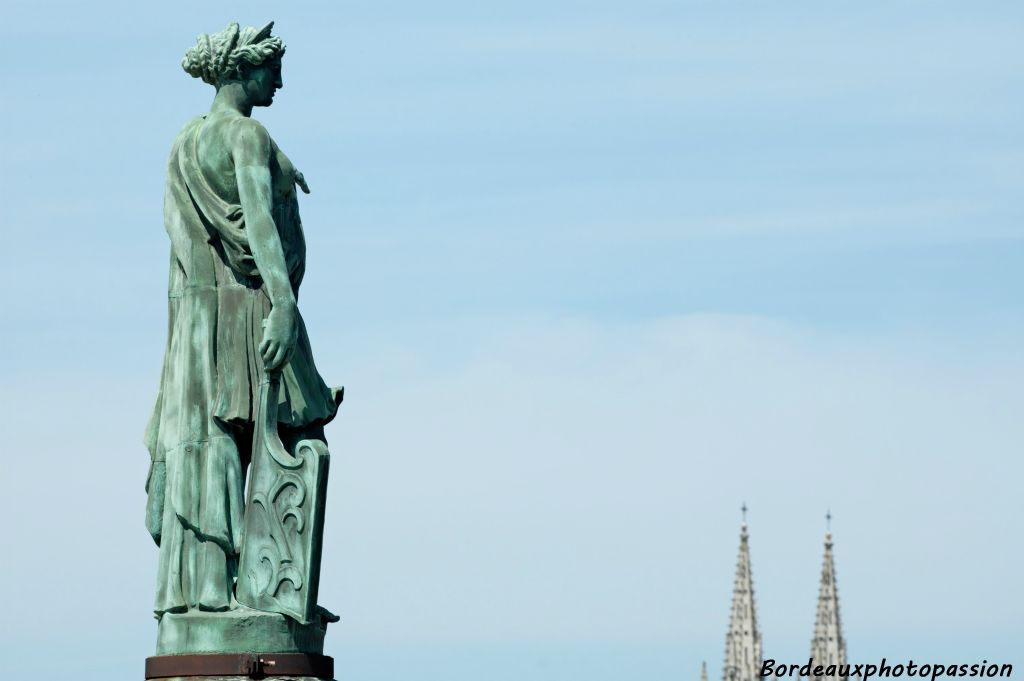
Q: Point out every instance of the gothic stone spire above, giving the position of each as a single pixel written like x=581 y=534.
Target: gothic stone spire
x=828 y=646
x=743 y=640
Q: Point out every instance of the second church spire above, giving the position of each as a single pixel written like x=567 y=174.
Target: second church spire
x=743 y=640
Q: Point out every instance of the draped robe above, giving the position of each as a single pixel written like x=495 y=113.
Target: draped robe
x=199 y=436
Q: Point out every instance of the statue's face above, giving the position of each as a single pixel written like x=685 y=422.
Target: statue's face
x=263 y=81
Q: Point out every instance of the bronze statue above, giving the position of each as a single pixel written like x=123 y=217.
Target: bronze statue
x=239 y=393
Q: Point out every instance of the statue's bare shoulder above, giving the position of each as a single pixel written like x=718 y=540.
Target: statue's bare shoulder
x=249 y=140
x=252 y=146
x=228 y=142
x=241 y=138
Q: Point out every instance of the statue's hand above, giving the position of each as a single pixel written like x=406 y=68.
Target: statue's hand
x=279 y=334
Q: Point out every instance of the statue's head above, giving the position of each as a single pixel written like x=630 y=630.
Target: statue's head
x=248 y=56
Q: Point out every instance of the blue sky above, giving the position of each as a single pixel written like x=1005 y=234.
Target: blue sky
x=592 y=275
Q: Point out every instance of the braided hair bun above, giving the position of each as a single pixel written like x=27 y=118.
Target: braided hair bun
x=217 y=58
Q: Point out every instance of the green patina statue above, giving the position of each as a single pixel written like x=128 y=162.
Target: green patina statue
x=240 y=396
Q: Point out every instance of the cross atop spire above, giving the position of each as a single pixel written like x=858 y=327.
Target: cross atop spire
x=828 y=646
x=828 y=521
x=743 y=640
x=743 y=510
x=703 y=671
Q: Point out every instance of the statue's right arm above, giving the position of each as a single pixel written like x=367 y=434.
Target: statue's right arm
x=251 y=149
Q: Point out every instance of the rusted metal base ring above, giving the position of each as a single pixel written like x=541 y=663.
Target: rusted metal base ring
x=253 y=665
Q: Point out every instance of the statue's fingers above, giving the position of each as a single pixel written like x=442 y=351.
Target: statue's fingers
x=287 y=355
x=279 y=356
x=267 y=353
x=263 y=347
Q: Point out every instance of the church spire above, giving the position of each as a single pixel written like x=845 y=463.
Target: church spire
x=828 y=646
x=703 y=671
x=743 y=640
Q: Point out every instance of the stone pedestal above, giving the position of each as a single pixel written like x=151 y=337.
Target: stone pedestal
x=239 y=630
x=239 y=645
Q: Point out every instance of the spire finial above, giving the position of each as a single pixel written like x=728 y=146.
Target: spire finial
x=828 y=521
x=743 y=509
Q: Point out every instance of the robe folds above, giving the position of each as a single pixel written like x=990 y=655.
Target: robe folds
x=199 y=436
